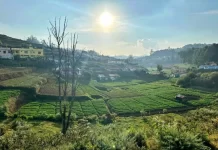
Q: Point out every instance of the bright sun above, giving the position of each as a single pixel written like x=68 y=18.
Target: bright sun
x=106 y=19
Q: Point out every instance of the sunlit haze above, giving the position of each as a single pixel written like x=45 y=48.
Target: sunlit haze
x=106 y=19
x=133 y=27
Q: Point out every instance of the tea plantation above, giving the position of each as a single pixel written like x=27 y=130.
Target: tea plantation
x=122 y=98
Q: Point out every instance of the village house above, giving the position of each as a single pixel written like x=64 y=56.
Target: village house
x=6 y=53
x=113 y=77
x=208 y=67
x=27 y=52
x=102 y=77
x=116 y=62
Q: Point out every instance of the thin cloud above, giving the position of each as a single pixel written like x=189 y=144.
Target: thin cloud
x=210 y=12
x=69 y=7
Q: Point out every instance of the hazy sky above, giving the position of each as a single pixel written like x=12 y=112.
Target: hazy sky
x=138 y=27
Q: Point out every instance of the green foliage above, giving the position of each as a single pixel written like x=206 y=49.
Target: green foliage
x=173 y=139
x=200 y=56
x=169 y=131
x=85 y=78
x=33 y=40
x=22 y=137
x=159 y=68
x=186 y=81
x=207 y=80
x=92 y=118
x=4 y=97
x=13 y=42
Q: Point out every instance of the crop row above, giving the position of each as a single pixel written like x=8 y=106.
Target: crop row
x=80 y=108
x=24 y=81
x=51 y=88
x=6 y=94
x=136 y=104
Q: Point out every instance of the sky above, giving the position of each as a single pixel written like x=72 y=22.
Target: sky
x=138 y=25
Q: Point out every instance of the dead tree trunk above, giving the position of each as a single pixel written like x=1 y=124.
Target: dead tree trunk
x=66 y=72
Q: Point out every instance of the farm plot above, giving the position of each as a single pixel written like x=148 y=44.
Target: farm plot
x=202 y=98
x=87 y=89
x=36 y=108
x=88 y=108
x=51 y=88
x=117 y=92
x=121 y=99
x=100 y=106
x=32 y=80
x=6 y=94
x=119 y=84
x=49 y=107
x=136 y=104
x=30 y=109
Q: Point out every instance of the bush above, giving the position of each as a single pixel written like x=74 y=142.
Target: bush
x=92 y=118
x=186 y=81
x=173 y=139
x=214 y=79
x=85 y=78
x=139 y=139
x=107 y=119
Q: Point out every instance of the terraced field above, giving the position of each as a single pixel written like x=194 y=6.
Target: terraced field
x=30 y=80
x=103 y=98
x=80 y=108
x=123 y=98
x=6 y=94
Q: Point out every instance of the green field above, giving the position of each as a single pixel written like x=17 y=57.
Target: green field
x=6 y=94
x=30 y=80
x=103 y=98
x=122 y=98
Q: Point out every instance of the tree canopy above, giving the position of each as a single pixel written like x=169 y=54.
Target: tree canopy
x=200 y=56
x=33 y=40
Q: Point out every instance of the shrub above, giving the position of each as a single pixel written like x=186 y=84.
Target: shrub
x=92 y=118
x=186 y=81
x=159 y=68
x=139 y=139
x=173 y=139
x=106 y=119
x=214 y=79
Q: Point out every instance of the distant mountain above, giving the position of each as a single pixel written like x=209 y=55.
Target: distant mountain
x=194 y=46
x=121 y=57
x=6 y=41
x=172 y=51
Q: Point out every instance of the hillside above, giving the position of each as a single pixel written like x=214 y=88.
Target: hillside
x=6 y=41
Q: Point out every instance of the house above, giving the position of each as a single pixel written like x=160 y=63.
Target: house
x=102 y=77
x=27 y=52
x=115 y=62
x=208 y=67
x=113 y=77
x=6 y=53
x=180 y=97
x=68 y=71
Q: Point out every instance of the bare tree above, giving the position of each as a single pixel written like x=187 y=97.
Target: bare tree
x=66 y=70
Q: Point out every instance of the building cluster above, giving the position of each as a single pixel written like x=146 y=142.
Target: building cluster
x=10 y=53
x=209 y=67
x=109 y=77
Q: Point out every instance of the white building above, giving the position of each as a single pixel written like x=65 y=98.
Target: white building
x=6 y=53
x=114 y=76
x=102 y=77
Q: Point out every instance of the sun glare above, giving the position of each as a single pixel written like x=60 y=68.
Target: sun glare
x=106 y=19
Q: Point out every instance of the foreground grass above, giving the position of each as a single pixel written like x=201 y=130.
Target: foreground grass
x=195 y=129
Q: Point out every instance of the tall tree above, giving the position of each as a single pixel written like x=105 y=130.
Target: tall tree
x=65 y=70
x=159 y=68
x=33 y=40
